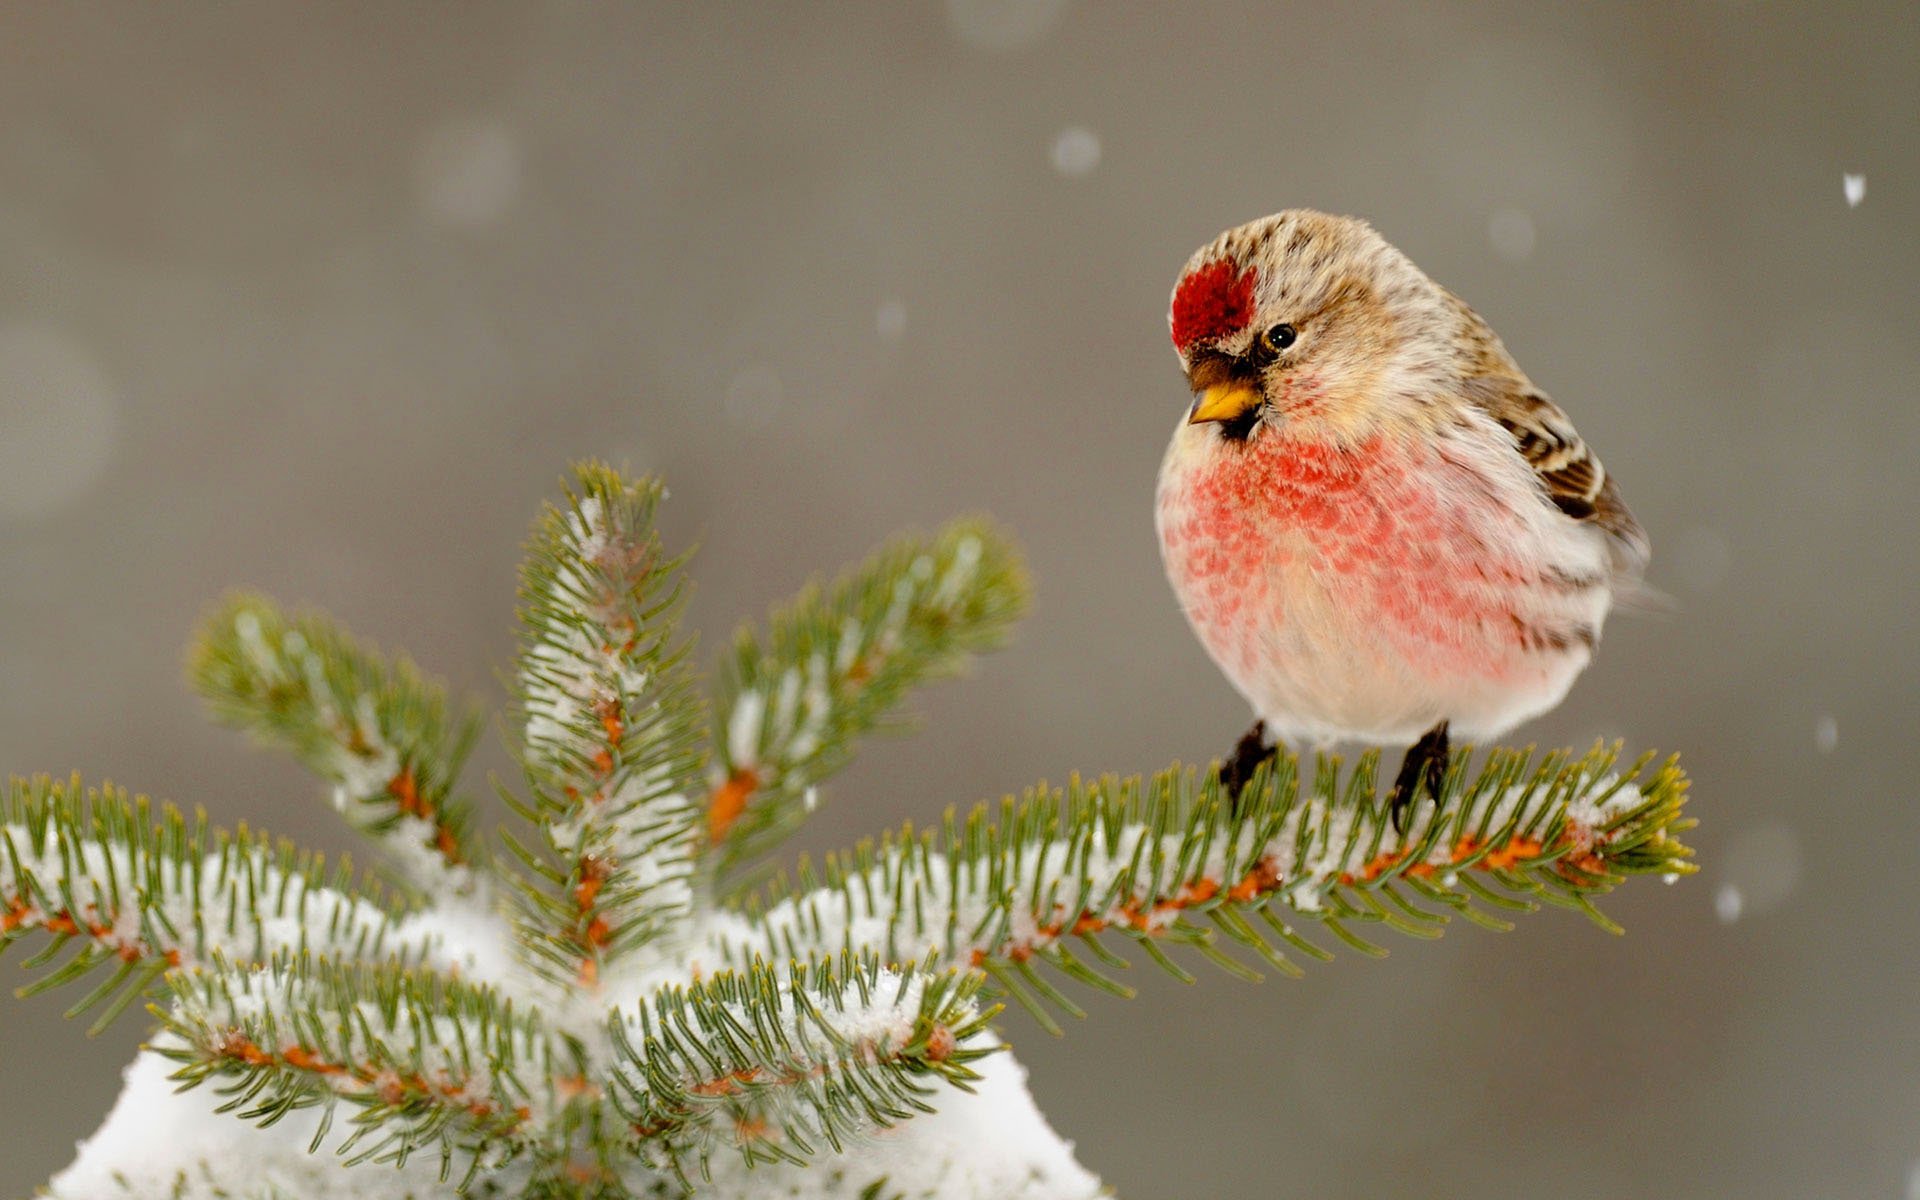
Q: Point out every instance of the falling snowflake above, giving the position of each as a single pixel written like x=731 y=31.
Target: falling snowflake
x=467 y=173
x=1727 y=903
x=1076 y=152
x=1855 y=187
x=1826 y=735
x=1003 y=24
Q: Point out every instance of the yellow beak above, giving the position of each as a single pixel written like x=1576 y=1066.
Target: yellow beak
x=1224 y=402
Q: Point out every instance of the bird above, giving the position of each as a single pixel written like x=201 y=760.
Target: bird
x=1379 y=528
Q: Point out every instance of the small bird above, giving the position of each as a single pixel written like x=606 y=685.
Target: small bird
x=1380 y=529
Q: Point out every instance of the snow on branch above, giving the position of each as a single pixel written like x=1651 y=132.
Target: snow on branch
x=379 y=731
x=990 y=1142
x=784 y=1065
x=145 y=893
x=612 y=724
x=429 y=1065
x=836 y=662
x=1041 y=878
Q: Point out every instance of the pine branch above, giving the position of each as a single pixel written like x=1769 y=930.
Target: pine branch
x=145 y=893
x=836 y=662
x=378 y=730
x=428 y=1064
x=785 y=1065
x=1150 y=860
x=990 y=1142
x=612 y=725
x=311 y=1007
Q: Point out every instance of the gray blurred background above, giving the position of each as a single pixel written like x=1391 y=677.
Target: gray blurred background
x=324 y=299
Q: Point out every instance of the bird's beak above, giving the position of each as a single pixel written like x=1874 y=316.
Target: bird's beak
x=1225 y=401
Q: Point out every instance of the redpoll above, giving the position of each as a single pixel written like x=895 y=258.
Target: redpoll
x=1379 y=528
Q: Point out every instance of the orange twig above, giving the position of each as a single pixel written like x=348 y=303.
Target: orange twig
x=729 y=800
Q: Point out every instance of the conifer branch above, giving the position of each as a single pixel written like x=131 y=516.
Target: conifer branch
x=303 y=998
x=429 y=1064
x=612 y=724
x=1149 y=860
x=381 y=733
x=781 y=1065
x=837 y=661
x=145 y=893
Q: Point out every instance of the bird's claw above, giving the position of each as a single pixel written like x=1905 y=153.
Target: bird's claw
x=1425 y=763
x=1248 y=753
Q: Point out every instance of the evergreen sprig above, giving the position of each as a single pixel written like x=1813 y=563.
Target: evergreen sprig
x=145 y=891
x=427 y=1063
x=836 y=662
x=383 y=734
x=611 y=721
x=1038 y=877
x=784 y=1042
x=781 y=1063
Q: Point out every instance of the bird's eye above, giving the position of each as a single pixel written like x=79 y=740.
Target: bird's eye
x=1280 y=337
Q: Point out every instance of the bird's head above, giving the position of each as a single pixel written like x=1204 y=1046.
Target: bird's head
x=1306 y=318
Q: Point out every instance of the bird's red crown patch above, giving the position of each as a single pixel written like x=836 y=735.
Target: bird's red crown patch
x=1213 y=301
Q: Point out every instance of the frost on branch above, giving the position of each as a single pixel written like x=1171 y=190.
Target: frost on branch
x=611 y=721
x=836 y=661
x=1040 y=880
x=783 y=1065
x=611 y=1024
x=380 y=733
x=145 y=893
x=431 y=1066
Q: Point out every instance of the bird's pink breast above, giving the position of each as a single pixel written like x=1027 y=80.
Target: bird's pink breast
x=1283 y=549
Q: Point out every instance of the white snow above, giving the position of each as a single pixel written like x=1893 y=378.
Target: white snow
x=1003 y=25
x=992 y=1143
x=288 y=914
x=467 y=173
x=862 y=913
x=572 y=671
x=1076 y=152
x=743 y=728
x=1854 y=187
x=1826 y=735
x=1728 y=903
x=161 y=1144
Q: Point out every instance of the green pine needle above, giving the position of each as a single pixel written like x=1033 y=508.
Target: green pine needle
x=377 y=729
x=145 y=890
x=1032 y=879
x=837 y=662
x=426 y=1062
x=611 y=719
x=789 y=1064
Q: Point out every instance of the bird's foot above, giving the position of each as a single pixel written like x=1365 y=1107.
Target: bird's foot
x=1425 y=763
x=1248 y=753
